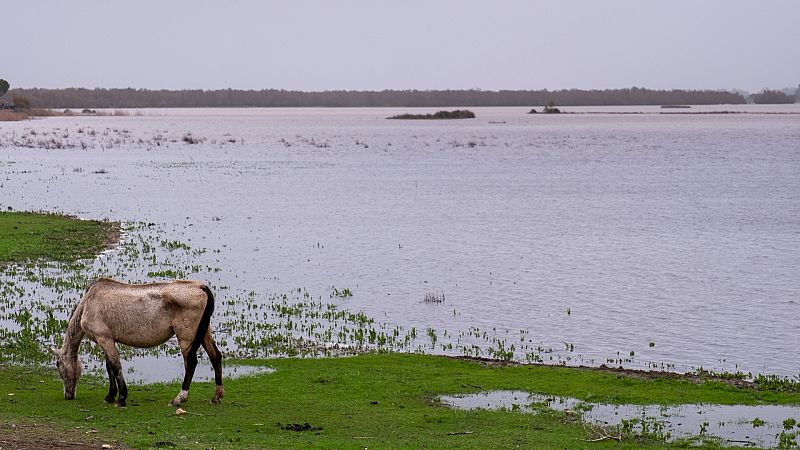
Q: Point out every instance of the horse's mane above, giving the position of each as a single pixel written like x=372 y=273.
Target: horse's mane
x=73 y=311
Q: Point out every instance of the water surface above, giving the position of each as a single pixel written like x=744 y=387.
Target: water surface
x=668 y=241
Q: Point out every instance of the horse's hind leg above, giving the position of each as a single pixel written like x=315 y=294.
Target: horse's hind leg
x=189 y=365
x=216 y=361
x=112 y=381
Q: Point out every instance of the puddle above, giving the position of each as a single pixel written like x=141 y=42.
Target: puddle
x=167 y=369
x=740 y=425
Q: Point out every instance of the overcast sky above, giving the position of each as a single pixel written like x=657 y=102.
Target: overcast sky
x=408 y=44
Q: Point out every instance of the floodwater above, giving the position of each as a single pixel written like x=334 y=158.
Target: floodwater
x=165 y=369
x=741 y=425
x=643 y=240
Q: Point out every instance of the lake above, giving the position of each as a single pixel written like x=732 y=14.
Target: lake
x=667 y=241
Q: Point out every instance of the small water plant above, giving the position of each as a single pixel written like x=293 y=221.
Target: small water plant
x=434 y=297
x=344 y=293
x=189 y=139
x=787 y=440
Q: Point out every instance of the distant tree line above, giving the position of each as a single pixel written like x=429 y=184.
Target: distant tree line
x=772 y=97
x=144 y=98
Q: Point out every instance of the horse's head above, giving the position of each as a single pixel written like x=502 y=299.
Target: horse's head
x=70 y=371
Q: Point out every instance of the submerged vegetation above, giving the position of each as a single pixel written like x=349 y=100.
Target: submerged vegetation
x=456 y=114
x=87 y=137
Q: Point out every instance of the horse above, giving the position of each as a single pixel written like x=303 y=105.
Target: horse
x=140 y=315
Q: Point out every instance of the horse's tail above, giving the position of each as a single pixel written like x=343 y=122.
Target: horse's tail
x=205 y=320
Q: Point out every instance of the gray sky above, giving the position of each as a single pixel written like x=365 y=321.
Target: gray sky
x=408 y=44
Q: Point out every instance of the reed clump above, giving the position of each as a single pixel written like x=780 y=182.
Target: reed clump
x=434 y=297
x=12 y=116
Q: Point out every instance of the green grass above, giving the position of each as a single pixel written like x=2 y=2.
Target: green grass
x=375 y=401
x=26 y=236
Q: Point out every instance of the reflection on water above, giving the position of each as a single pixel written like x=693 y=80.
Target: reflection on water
x=735 y=424
x=638 y=240
x=167 y=369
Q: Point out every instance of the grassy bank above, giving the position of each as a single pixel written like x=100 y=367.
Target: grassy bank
x=375 y=401
x=28 y=236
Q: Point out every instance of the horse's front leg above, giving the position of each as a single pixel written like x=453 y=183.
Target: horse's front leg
x=189 y=364
x=112 y=381
x=114 y=367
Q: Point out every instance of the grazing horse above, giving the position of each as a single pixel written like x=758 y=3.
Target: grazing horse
x=140 y=315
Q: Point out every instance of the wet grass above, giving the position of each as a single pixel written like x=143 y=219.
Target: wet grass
x=26 y=236
x=373 y=400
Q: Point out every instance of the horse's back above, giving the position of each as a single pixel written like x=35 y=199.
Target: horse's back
x=141 y=315
x=186 y=294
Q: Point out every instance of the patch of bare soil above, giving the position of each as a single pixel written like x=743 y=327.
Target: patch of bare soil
x=660 y=375
x=632 y=373
x=14 y=436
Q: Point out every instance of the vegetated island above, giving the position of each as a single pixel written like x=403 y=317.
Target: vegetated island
x=550 y=108
x=455 y=114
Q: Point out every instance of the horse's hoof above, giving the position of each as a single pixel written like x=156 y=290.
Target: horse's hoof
x=120 y=405
x=219 y=392
x=109 y=399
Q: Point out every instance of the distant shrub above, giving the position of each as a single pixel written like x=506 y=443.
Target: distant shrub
x=189 y=139
x=21 y=102
x=551 y=108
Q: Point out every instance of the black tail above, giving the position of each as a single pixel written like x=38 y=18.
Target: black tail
x=204 y=321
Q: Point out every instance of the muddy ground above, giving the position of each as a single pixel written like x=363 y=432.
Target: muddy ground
x=43 y=435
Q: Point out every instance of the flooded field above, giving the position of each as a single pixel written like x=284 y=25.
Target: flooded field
x=762 y=426
x=642 y=240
